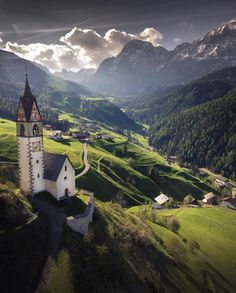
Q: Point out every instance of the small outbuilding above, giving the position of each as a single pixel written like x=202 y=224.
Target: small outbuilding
x=211 y=198
x=161 y=199
x=229 y=202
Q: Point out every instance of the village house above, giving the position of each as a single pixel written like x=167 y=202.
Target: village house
x=210 y=198
x=56 y=135
x=82 y=136
x=222 y=182
x=160 y=200
x=229 y=202
x=39 y=170
x=172 y=159
x=104 y=135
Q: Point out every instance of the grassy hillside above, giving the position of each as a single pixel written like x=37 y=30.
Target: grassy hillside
x=128 y=248
x=23 y=242
x=138 y=250
x=120 y=170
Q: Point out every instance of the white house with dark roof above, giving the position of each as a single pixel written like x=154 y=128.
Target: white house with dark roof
x=59 y=175
x=160 y=200
x=38 y=170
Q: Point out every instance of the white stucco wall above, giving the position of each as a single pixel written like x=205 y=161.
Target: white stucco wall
x=57 y=188
x=24 y=163
x=37 y=165
x=80 y=223
x=51 y=187
x=28 y=166
x=69 y=183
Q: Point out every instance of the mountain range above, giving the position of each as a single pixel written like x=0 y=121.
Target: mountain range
x=54 y=94
x=140 y=67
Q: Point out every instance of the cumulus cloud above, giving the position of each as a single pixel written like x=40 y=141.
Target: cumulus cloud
x=55 y=57
x=81 y=48
x=150 y=35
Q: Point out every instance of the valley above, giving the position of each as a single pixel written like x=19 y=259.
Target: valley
x=135 y=169
x=170 y=244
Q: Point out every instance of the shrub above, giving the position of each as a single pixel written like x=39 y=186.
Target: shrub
x=188 y=199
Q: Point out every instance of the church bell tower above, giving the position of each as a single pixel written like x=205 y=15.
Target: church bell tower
x=29 y=128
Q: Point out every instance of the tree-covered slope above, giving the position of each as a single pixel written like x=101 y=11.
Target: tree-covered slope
x=204 y=135
x=195 y=122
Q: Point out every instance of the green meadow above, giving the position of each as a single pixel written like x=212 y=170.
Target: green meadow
x=119 y=168
x=140 y=250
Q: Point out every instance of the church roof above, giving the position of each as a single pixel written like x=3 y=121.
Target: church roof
x=53 y=164
x=27 y=101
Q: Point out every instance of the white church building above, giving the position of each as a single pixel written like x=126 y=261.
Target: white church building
x=38 y=170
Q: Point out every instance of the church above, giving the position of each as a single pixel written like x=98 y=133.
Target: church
x=39 y=170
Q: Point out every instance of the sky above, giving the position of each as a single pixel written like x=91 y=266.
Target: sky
x=74 y=34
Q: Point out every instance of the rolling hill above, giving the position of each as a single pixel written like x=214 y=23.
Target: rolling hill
x=129 y=246
x=120 y=170
x=138 y=250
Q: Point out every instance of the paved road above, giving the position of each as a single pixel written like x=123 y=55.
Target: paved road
x=86 y=163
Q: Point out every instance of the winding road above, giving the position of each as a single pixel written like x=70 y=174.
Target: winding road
x=85 y=159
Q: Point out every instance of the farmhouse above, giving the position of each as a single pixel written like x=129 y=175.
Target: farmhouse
x=38 y=170
x=160 y=200
x=229 y=202
x=172 y=159
x=82 y=136
x=210 y=198
x=222 y=182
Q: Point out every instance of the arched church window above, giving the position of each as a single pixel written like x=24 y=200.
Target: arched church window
x=22 y=130
x=65 y=168
x=35 y=130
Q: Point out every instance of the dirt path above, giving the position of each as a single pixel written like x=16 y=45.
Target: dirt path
x=86 y=164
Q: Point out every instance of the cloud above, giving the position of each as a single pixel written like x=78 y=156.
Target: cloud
x=55 y=57
x=177 y=40
x=81 y=48
x=150 y=35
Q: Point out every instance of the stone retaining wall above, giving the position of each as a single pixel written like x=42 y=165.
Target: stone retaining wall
x=80 y=223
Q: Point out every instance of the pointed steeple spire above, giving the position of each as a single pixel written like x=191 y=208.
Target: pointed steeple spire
x=28 y=109
x=27 y=92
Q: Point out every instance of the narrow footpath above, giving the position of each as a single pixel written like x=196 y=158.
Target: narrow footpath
x=85 y=160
